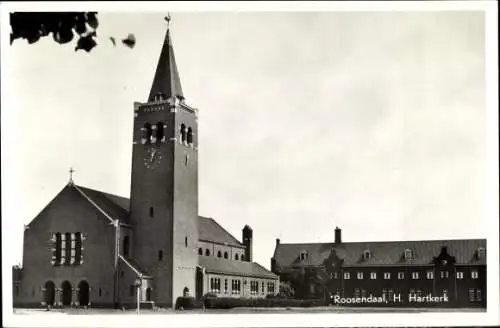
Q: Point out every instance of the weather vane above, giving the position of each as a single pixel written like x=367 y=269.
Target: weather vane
x=168 y=19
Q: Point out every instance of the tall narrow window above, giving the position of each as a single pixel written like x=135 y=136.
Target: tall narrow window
x=78 y=248
x=147 y=132
x=236 y=257
x=151 y=212
x=73 y=249
x=160 y=131
x=154 y=133
x=207 y=252
x=186 y=242
x=189 y=135
x=219 y=254
x=160 y=255
x=200 y=251
x=68 y=248
x=183 y=133
x=63 y=249
x=225 y=255
x=58 y=248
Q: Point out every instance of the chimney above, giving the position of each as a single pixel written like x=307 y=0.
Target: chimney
x=338 y=235
x=247 y=234
x=277 y=241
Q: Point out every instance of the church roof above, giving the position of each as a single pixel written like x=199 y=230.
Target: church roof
x=210 y=230
x=166 y=80
x=229 y=267
x=117 y=207
x=381 y=252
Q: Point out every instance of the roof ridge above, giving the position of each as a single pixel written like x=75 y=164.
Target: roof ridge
x=89 y=199
x=385 y=241
x=100 y=191
x=217 y=223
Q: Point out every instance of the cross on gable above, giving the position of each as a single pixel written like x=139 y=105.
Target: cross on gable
x=71 y=174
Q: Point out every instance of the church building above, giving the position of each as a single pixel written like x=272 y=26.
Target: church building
x=91 y=248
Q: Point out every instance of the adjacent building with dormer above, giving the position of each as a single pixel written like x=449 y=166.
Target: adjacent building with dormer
x=452 y=269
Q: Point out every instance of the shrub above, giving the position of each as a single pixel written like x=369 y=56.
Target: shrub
x=187 y=303
x=228 y=303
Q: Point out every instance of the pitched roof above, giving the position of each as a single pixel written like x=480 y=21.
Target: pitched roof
x=241 y=268
x=134 y=266
x=210 y=230
x=115 y=206
x=166 y=80
x=382 y=252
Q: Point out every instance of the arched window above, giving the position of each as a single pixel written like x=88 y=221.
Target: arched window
x=225 y=255
x=190 y=136
x=183 y=132
x=236 y=257
x=185 y=292
x=160 y=255
x=146 y=133
x=200 y=251
x=242 y=257
x=154 y=133
x=219 y=254
x=207 y=252
x=126 y=246
x=160 y=131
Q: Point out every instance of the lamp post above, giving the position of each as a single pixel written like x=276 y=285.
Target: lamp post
x=138 y=283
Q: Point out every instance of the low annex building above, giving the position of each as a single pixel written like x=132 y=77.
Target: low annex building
x=91 y=248
x=402 y=272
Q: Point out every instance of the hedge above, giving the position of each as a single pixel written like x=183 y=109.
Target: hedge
x=188 y=303
x=228 y=303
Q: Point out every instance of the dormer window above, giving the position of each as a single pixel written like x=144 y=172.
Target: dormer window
x=481 y=253
x=367 y=255
x=304 y=255
x=409 y=254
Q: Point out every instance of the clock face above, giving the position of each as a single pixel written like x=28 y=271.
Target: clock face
x=152 y=157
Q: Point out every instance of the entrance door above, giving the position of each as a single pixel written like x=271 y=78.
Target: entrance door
x=50 y=293
x=83 y=293
x=66 y=293
x=199 y=284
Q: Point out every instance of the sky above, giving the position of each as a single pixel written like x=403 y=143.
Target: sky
x=371 y=121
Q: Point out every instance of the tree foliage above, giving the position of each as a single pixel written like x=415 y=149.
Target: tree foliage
x=64 y=27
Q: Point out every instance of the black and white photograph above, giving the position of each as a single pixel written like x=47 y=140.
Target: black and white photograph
x=250 y=164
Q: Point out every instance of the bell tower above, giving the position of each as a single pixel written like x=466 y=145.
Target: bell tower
x=164 y=186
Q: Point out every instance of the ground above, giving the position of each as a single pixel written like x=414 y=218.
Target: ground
x=321 y=309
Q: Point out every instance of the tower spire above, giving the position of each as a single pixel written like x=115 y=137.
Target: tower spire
x=166 y=82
